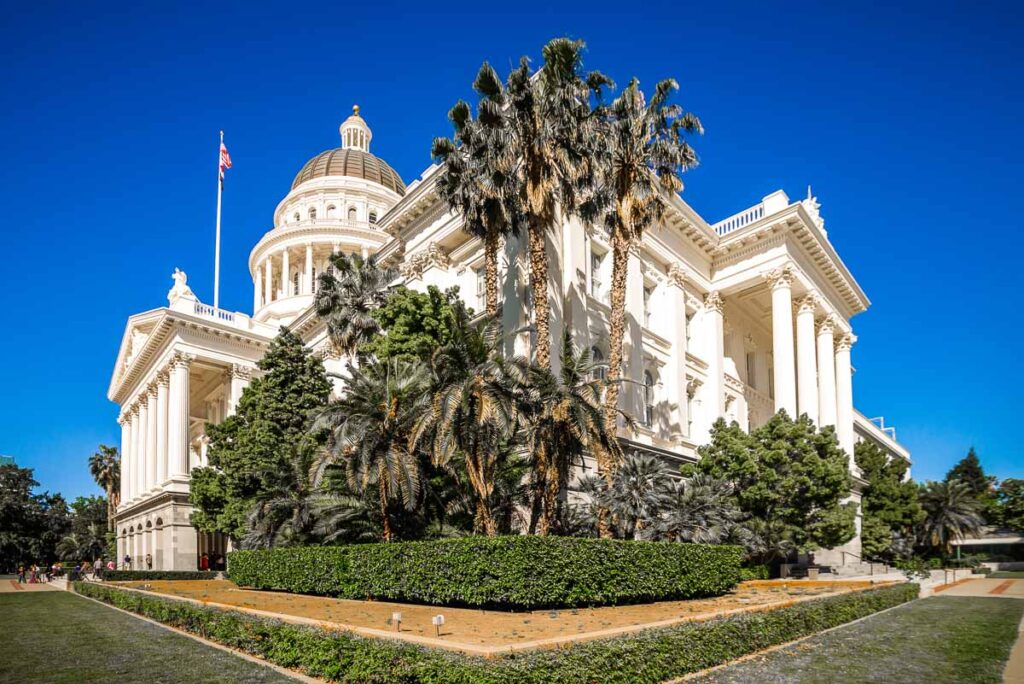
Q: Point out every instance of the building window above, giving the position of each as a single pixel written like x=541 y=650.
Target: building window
x=312 y=213
x=295 y=283
x=481 y=289
x=595 y=275
x=648 y=399
x=351 y=213
x=332 y=211
x=600 y=372
x=751 y=370
x=373 y=217
x=316 y=285
x=296 y=217
x=648 y=291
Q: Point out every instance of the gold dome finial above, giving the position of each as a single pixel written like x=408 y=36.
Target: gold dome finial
x=355 y=110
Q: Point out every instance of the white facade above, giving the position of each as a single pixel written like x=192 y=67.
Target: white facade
x=735 y=319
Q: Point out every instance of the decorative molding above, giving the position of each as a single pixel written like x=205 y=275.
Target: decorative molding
x=780 y=277
x=239 y=371
x=845 y=342
x=432 y=257
x=807 y=304
x=692 y=385
x=677 y=275
x=163 y=377
x=181 y=360
x=827 y=325
x=713 y=301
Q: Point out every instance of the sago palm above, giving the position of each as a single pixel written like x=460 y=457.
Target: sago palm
x=370 y=428
x=478 y=182
x=473 y=415
x=347 y=297
x=105 y=467
x=545 y=121
x=698 y=509
x=642 y=154
x=951 y=513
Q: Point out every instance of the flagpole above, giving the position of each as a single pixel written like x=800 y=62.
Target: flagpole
x=216 y=251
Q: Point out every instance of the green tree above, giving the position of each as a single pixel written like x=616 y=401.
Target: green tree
x=889 y=503
x=1011 y=503
x=642 y=152
x=546 y=141
x=31 y=525
x=969 y=471
x=951 y=512
x=87 y=539
x=346 y=297
x=255 y=450
x=789 y=478
x=105 y=467
x=412 y=324
x=370 y=428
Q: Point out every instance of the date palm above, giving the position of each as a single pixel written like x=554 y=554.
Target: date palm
x=370 y=427
x=478 y=182
x=474 y=413
x=544 y=122
x=951 y=512
x=347 y=297
x=642 y=153
x=105 y=467
x=564 y=422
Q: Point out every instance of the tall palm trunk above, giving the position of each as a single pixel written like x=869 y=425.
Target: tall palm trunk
x=111 y=507
x=383 y=489
x=617 y=322
x=491 y=273
x=539 y=287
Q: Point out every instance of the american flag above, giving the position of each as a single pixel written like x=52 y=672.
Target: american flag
x=225 y=160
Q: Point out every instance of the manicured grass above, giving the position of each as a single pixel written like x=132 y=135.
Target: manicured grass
x=1007 y=574
x=56 y=637
x=935 y=640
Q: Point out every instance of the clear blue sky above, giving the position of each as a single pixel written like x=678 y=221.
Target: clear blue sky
x=905 y=119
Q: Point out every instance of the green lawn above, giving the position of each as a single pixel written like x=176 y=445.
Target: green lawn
x=1007 y=574
x=941 y=639
x=58 y=637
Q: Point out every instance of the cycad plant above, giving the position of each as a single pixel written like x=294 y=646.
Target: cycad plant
x=698 y=509
x=370 y=428
x=347 y=297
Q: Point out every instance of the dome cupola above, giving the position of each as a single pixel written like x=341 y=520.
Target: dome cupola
x=355 y=134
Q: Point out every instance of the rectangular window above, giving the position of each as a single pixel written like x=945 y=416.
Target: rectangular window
x=751 y=368
x=481 y=289
x=595 y=275
x=648 y=291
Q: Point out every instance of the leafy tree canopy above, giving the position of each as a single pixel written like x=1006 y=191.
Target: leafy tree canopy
x=969 y=471
x=889 y=503
x=255 y=450
x=1011 y=503
x=31 y=524
x=789 y=477
x=413 y=324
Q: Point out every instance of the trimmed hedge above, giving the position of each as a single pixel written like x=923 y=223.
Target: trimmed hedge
x=515 y=572
x=645 y=657
x=755 y=572
x=133 y=575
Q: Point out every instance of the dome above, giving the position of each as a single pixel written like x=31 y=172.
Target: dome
x=352 y=159
x=353 y=163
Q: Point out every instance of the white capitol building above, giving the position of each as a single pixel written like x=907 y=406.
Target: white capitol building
x=735 y=319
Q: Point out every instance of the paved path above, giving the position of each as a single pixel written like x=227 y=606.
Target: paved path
x=1001 y=588
x=10 y=585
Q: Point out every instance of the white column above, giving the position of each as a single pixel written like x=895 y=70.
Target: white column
x=133 y=458
x=715 y=389
x=177 y=417
x=257 y=291
x=844 y=396
x=139 y=466
x=307 y=276
x=781 y=281
x=151 y=454
x=634 y=355
x=162 y=398
x=826 y=374
x=285 y=270
x=268 y=283
x=126 y=447
x=807 y=367
x=677 y=296
x=238 y=379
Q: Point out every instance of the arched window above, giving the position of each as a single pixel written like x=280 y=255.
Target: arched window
x=373 y=217
x=648 y=399
x=295 y=283
x=351 y=213
x=332 y=211
x=312 y=213
x=296 y=217
x=601 y=372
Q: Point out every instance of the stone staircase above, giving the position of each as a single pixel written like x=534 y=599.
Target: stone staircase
x=859 y=570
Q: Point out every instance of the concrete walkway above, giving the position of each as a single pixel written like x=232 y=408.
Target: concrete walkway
x=998 y=588
x=11 y=585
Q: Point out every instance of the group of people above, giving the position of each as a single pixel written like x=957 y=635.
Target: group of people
x=128 y=560
x=34 y=574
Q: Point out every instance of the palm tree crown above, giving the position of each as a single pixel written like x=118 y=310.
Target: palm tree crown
x=105 y=467
x=346 y=298
x=951 y=512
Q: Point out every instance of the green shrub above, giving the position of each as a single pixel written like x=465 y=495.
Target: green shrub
x=644 y=657
x=515 y=572
x=755 y=572
x=133 y=575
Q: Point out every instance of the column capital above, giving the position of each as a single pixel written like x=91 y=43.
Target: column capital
x=143 y=398
x=677 y=275
x=807 y=304
x=845 y=342
x=237 y=370
x=713 y=301
x=783 y=276
x=163 y=377
x=692 y=385
x=827 y=325
x=181 y=360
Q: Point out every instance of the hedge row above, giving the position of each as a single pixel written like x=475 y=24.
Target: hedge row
x=515 y=572
x=133 y=575
x=649 y=656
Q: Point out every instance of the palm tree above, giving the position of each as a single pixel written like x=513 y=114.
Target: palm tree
x=370 y=427
x=635 y=497
x=346 y=299
x=105 y=466
x=698 y=509
x=951 y=512
x=543 y=121
x=478 y=182
x=474 y=413
x=564 y=421
x=642 y=154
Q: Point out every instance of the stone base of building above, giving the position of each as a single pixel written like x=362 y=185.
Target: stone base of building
x=156 y=533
